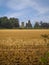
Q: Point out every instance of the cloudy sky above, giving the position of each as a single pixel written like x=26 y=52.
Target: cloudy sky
x=35 y=10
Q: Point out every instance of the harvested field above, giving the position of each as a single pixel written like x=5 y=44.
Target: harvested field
x=24 y=47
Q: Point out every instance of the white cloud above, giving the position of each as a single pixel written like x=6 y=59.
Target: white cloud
x=41 y=9
x=15 y=14
x=41 y=18
x=22 y=4
x=19 y=7
x=18 y=4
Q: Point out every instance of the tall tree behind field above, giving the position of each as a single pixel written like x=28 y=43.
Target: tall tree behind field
x=3 y=22
x=14 y=22
x=41 y=25
x=44 y=25
x=9 y=23
x=29 y=25
x=36 y=26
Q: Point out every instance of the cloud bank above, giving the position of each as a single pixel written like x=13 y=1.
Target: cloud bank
x=28 y=9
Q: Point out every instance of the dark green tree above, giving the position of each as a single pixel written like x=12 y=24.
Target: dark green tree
x=3 y=22
x=36 y=26
x=14 y=22
x=29 y=25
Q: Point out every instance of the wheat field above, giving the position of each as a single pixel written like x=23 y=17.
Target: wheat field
x=24 y=47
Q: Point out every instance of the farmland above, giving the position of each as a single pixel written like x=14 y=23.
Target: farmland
x=24 y=47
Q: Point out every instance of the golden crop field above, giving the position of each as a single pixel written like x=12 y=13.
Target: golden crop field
x=24 y=47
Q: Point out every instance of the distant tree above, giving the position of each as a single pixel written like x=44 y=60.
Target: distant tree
x=45 y=25
x=9 y=23
x=41 y=22
x=0 y=22
x=36 y=25
x=14 y=22
x=3 y=22
x=22 y=25
x=42 y=25
x=28 y=25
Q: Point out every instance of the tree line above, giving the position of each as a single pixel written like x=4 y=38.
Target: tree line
x=9 y=23
x=13 y=23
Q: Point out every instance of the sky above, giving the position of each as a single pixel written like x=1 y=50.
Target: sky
x=33 y=10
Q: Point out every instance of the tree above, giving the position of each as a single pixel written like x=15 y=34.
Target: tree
x=9 y=23
x=14 y=22
x=28 y=25
x=44 y=25
x=36 y=25
x=3 y=22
